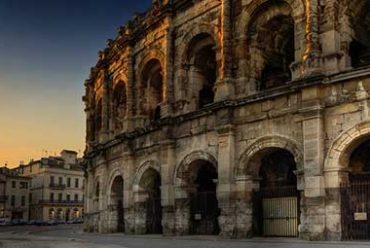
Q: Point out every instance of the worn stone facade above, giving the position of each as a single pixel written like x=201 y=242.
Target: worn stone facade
x=211 y=91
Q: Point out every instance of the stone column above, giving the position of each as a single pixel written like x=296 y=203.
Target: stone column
x=182 y=209
x=243 y=198
x=130 y=89
x=166 y=108
x=226 y=159
x=168 y=155
x=105 y=107
x=312 y=225
x=311 y=56
x=224 y=86
x=88 y=205
x=140 y=211
x=128 y=202
x=335 y=52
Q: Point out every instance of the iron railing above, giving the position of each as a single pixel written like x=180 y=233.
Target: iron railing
x=57 y=186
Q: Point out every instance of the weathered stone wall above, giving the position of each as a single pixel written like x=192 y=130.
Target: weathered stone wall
x=319 y=116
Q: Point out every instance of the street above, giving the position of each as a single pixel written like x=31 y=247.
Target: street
x=71 y=236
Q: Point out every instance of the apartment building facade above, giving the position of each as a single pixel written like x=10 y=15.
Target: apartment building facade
x=14 y=195
x=56 y=191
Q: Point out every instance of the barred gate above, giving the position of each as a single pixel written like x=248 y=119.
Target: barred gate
x=153 y=215
x=276 y=212
x=204 y=213
x=355 y=207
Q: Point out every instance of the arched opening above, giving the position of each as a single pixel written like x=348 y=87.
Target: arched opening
x=51 y=214
x=204 y=209
x=119 y=104
x=270 y=39
x=152 y=89
x=59 y=215
x=68 y=214
x=202 y=60
x=117 y=203
x=360 y=45
x=76 y=213
x=355 y=202
x=276 y=203
x=150 y=183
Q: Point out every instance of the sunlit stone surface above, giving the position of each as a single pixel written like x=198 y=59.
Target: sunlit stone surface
x=198 y=110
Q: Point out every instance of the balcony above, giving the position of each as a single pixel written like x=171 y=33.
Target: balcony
x=57 y=186
x=63 y=202
x=3 y=198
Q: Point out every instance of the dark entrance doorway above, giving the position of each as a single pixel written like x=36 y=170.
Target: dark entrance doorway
x=276 y=204
x=355 y=196
x=204 y=209
x=117 y=202
x=151 y=183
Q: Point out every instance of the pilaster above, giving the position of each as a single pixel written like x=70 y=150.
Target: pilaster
x=312 y=225
x=226 y=158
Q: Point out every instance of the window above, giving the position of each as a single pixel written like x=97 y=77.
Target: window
x=12 y=203
x=76 y=183
x=23 y=201
x=30 y=198
x=68 y=182
x=68 y=198
x=60 y=197
x=31 y=169
x=60 y=180
x=76 y=197
x=51 y=197
x=52 y=180
x=23 y=185
x=14 y=183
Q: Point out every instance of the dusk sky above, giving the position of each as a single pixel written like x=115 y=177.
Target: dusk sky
x=46 y=50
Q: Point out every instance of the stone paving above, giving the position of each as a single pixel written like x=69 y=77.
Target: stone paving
x=72 y=237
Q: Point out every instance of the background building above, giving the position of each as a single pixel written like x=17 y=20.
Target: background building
x=57 y=187
x=14 y=195
x=237 y=118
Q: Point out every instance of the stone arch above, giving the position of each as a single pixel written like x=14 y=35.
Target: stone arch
x=243 y=169
x=183 y=168
x=197 y=29
x=115 y=173
x=340 y=150
x=121 y=76
x=359 y=38
x=336 y=170
x=148 y=56
x=149 y=164
x=151 y=87
x=119 y=103
x=198 y=78
x=297 y=5
x=270 y=43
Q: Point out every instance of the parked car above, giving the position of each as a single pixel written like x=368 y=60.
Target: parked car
x=52 y=222
x=60 y=222
x=4 y=222
x=41 y=223
x=18 y=222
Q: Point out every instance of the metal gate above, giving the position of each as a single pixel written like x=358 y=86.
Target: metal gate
x=355 y=208
x=203 y=213
x=153 y=215
x=278 y=211
x=280 y=217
